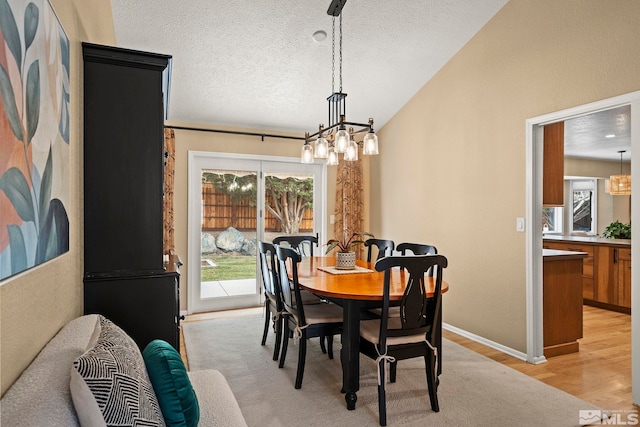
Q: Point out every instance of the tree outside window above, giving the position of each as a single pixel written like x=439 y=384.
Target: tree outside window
x=287 y=198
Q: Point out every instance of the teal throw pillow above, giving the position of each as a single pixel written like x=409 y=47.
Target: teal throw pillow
x=168 y=375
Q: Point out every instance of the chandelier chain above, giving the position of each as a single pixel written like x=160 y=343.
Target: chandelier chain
x=341 y=52
x=333 y=56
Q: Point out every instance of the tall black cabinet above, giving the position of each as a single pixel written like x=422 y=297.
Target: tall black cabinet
x=125 y=278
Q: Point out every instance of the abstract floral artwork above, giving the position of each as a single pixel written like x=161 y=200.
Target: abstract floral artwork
x=34 y=136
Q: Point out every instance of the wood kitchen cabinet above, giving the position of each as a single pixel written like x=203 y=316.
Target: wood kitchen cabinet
x=614 y=277
x=553 y=165
x=562 y=301
x=587 y=263
x=606 y=271
x=624 y=277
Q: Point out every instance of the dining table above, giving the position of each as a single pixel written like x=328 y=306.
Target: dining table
x=356 y=291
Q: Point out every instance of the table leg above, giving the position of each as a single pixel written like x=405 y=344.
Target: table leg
x=350 y=353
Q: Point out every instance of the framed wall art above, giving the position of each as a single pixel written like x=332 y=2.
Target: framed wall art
x=34 y=136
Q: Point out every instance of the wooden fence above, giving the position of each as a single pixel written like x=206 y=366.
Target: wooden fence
x=220 y=212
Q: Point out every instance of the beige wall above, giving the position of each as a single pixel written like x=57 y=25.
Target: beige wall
x=459 y=146
x=37 y=303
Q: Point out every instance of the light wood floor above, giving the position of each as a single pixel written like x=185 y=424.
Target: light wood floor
x=599 y=373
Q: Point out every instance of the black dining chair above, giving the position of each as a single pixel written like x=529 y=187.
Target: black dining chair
x=410 y=335
x=301 y=244
x=303 y=321
x=304 y=246
x=417 y=249
x=272 y=298
x=385 y=248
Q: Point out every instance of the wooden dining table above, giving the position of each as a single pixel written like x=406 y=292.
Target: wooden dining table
x=356 y=291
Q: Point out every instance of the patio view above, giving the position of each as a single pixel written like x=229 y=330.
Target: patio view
x=230 y=223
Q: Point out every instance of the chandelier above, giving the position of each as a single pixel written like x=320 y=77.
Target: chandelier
x=340 y=136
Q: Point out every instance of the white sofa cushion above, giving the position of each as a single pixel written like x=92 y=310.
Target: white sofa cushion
x=218 y=406
x=41 y=396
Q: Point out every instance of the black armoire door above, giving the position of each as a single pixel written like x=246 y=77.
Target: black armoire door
x=123 y=155
x=124 y=112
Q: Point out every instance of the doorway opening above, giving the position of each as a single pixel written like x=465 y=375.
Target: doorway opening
x=534 y=234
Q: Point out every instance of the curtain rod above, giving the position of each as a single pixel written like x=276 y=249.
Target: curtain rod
x=235 y=132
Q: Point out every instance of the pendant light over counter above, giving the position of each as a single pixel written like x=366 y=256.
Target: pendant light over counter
x=620 y=185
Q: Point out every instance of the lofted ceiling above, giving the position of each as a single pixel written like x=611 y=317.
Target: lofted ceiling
x=255 y=63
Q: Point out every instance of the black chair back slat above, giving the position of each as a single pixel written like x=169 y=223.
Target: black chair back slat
x=268 y=269
x=301 y=244
x=385 y=248
x=417 y=249
x=288 y=260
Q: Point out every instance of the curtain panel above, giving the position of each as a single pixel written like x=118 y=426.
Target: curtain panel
x=349 y=209
x=169 y=172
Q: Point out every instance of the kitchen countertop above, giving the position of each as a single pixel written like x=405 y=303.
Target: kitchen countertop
x=557 y=255
x=594 y=240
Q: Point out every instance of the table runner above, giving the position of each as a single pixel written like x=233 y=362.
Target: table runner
x=333 y=270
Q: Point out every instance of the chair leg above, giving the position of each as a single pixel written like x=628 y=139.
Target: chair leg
x=382 y=402
x=322 y=347
x=276 y=348
x=285 y=342
x=429 y=361
x=302 y=355
x=392 y=371
x=267 y=318
x=330 y=346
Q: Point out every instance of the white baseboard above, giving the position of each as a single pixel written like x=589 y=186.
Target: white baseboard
x=184 y=312
x=477 y=338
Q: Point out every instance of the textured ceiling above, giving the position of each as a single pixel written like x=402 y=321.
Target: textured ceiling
x=586 y=136
x=254 y=63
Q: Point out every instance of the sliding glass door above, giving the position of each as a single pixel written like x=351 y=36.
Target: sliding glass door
x=234 y=202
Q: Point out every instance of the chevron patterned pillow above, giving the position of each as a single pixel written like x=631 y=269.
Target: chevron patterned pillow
x=110 y=384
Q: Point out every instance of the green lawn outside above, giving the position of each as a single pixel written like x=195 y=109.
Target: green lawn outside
x=229 y=267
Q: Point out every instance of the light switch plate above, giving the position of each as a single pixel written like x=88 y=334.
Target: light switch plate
x=520 y=224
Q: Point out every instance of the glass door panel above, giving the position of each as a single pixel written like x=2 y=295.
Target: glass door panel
x=288 y=205
x=223 y=225
x=229 y=224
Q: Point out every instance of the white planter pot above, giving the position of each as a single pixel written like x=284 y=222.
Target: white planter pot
x=345 y=260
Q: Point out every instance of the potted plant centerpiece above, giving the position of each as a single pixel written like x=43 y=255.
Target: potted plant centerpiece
x=346 y=257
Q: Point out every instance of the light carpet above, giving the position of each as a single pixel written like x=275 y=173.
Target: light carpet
x=474 y=390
